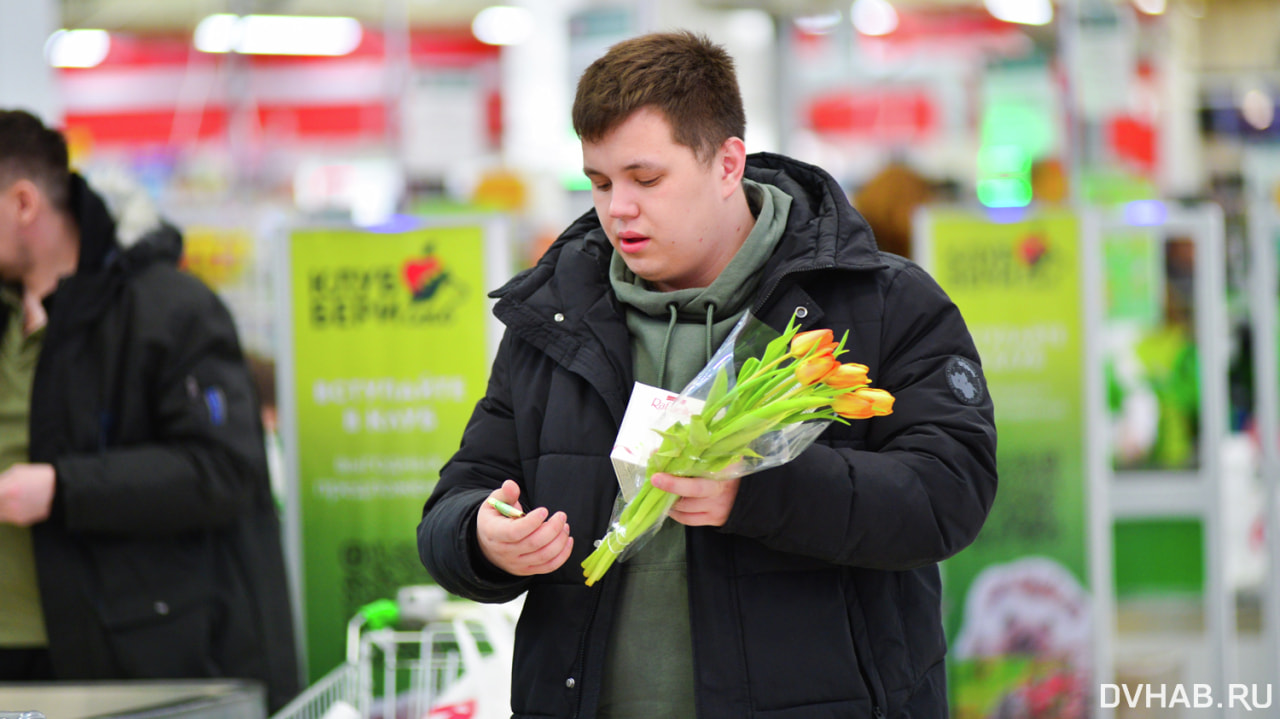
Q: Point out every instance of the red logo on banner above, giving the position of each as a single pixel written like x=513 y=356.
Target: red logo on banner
x=1032 y=249
x=423 y=276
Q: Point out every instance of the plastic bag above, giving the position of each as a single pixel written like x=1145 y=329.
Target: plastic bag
x=483 y=691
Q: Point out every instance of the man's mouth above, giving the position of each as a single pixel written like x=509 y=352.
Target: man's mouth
x=632 y=241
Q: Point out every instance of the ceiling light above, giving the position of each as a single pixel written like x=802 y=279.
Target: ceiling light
x=278 y=34
x=751 y=29
x=1151 y=7
x=77 y=48
x=502 y=25
x=1258 y=109
x=817 y=24
x=874 y=17
x=1025 y=12
x=218 y=33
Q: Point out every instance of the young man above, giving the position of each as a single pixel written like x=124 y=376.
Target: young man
x=138 y=538
x=808 y=590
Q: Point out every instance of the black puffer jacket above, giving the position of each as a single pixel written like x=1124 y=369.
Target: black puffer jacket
x=820 y=597
x=162 y=555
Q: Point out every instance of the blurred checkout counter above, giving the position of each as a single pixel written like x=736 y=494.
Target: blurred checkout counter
x=208 y=699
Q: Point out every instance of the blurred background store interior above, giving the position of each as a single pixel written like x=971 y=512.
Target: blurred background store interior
x=388 y=110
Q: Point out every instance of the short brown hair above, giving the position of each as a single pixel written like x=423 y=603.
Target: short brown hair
x=687 y=77
x=31 y=151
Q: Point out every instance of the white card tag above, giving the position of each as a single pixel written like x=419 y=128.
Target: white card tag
x=650 y=408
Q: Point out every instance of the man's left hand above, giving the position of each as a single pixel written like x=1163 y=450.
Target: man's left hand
x=26 y=494
x=703 y=502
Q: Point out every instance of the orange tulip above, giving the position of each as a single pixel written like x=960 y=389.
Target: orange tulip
x=816 y=367
x=863 y=403
x=805 y=341
x=849 y=374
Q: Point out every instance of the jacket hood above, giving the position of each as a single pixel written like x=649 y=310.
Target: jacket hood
x=118 y=222
x=823 y=231
x=118 y=237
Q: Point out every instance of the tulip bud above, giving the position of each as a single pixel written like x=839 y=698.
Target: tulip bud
x=805 y=341
x=863 y=403
x=814 y=368
x=849 y=374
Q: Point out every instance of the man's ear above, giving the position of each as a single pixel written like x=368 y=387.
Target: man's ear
x=731 y=163
x=29 y=200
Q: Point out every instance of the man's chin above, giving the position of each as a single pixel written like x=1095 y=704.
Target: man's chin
x=637 y=267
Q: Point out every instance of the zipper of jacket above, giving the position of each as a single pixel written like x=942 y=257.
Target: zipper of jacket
x=582 y=653
x=873 y=688
x=876 y=710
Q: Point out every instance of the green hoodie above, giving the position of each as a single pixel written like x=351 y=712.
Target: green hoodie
x=649 y=668
x=21 y=616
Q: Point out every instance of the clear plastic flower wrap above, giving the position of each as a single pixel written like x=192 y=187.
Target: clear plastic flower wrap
x=760 y=401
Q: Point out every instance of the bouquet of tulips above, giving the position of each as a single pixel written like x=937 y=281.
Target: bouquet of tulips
x=759 y=413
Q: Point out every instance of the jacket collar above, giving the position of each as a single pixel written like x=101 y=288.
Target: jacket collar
x=565 y=307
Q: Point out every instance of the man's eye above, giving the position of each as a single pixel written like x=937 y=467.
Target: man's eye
x=648 y=183
x=603 y=186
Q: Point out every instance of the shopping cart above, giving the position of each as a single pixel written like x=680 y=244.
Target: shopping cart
x=392 y=672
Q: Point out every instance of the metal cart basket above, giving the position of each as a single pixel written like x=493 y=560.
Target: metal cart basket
x=391 y=672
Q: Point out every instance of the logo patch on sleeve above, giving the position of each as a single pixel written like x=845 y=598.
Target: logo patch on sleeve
x=216 y=401
x=965 y=380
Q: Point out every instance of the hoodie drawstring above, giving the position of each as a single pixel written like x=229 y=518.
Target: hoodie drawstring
x=666 y=342
x=711 y=310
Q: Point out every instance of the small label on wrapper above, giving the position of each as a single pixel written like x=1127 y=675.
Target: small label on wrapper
x=649 y=409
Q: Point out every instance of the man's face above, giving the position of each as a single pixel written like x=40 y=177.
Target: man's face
x=664 y=211
x=13 y=255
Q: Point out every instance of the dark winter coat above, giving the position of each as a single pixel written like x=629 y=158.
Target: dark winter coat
x=162 y=554
x=820 y=597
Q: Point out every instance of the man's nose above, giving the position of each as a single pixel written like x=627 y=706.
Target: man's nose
x=622 y=203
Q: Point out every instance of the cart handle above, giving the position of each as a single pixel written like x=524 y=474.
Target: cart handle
x=376 y=615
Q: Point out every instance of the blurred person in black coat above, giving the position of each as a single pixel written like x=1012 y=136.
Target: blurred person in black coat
x=138 y=537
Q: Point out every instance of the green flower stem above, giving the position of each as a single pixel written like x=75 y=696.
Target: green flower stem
x=644 y=510
x=726 y=445
x=651 y=505
x=761 y=375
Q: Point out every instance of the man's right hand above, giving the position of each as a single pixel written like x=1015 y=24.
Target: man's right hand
x=524 y=546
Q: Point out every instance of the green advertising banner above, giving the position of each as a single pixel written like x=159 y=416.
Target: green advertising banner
x=1016 y=601
x=389 y=357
